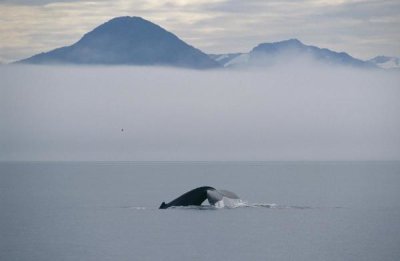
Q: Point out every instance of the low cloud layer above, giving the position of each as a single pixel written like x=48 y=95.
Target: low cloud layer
x=279 y=113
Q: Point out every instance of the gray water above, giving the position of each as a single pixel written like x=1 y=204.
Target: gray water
x=109 y=211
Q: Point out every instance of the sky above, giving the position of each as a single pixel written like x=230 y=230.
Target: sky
x=364 y=29
x=288 y=112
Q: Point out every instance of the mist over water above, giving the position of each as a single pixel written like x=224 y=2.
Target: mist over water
x=295 y=112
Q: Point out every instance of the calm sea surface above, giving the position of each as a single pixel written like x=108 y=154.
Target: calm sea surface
x=109 y=211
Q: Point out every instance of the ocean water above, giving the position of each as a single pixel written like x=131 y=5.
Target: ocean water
x=109 y=211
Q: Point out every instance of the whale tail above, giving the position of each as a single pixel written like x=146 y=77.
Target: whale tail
x=196 y=197
x=163 y=206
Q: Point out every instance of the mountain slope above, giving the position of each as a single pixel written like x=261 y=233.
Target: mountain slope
x=386 y=62
x=288 y=51
x=127 y=40
x=222 y=59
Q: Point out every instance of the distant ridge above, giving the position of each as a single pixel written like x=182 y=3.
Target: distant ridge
x=266 y=54
x=386 y=62
x=136 y=41
x=127 y=41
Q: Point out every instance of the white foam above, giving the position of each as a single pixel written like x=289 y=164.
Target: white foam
x=219 y=204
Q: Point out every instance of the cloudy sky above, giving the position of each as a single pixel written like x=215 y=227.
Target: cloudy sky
x=362 y=28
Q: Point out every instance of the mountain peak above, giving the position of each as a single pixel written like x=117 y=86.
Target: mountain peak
x=277 y=46
x=126 y=21
x=127 y=18
x=125 y=28
x=386 y=62
x=128 y=40
x=292 y=41
x=287 y=51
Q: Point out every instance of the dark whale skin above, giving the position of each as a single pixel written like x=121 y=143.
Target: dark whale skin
x=195 y=197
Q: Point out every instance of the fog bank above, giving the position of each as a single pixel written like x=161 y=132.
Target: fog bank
x=144 y=113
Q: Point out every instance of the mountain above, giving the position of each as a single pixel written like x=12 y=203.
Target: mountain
x=386 y=62
x=287 y=51
x=127 y=41
x=222 y=59
x=136 y=41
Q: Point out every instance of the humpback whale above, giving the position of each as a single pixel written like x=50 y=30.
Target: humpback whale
x=197 y=196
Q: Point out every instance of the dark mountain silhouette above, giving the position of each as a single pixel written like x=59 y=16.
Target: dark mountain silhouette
x=127 y=41
x=287 y=51
x=294 y=47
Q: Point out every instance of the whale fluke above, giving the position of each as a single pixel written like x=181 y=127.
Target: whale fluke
x=197 y=196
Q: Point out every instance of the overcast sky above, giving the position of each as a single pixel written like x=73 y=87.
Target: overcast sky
x=362 y=28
